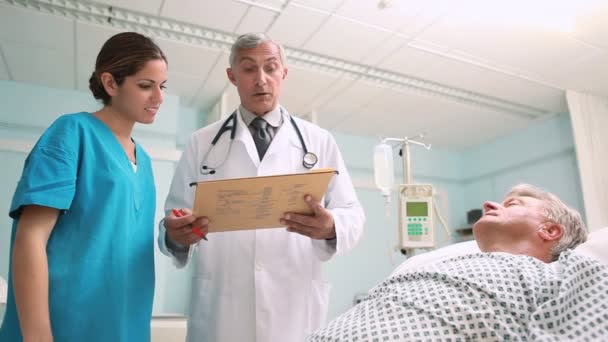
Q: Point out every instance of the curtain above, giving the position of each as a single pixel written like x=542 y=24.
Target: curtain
x=589 y=115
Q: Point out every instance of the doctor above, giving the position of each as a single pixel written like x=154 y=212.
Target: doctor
x=260 y=285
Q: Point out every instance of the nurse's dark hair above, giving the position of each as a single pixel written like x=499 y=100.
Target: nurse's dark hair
x=124 y=54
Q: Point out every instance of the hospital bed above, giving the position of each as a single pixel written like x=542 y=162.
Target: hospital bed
x=457 y=293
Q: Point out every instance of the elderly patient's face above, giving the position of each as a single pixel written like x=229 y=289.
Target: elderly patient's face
x=516 y=218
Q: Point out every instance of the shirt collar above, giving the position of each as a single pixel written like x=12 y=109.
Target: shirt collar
x=274 y=117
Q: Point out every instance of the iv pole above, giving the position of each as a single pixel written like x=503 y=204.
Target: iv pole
x=407 y=172
x=405 y=153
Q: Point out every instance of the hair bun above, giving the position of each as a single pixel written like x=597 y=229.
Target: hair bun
x=99 y=92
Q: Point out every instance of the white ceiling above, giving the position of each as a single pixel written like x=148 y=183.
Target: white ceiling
x=468 y=51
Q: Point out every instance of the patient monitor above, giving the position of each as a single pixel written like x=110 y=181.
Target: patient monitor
x=416 y=228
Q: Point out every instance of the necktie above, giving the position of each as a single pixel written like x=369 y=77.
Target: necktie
x=261 y=136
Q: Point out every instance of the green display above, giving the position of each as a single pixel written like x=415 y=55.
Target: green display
x=417 y=209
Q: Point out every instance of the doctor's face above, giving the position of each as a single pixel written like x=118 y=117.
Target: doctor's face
x=258 y=74
x=140 y=95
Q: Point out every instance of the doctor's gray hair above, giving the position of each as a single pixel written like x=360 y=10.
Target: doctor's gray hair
x=575 y=231
x=250 y=41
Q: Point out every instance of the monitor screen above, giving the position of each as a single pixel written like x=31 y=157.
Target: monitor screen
x=417 y=209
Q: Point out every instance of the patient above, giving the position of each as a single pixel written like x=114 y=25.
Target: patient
x=531 y=222
x=510 y=291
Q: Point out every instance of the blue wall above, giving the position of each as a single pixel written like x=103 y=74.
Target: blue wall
x=541 y=154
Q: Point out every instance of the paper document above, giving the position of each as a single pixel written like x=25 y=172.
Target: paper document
x=257 y=202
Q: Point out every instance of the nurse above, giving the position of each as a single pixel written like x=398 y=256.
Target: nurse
x=82 y=264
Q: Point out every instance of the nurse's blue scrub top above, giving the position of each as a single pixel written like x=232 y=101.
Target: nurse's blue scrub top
x=101 y=251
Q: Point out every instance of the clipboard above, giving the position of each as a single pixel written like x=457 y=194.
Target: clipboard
x=257 y=202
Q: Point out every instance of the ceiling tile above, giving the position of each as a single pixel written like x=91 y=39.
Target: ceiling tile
x=324 y=5
x=90 y=38
x=445 y=124
x=369 y=13
x=336 y=86
x=348 y=101
x=470 y=77
x=188 y=59
x=408 y=61
x=40 y=65
x=145 y=6
x=23 y=27
x=561 y=50
x=419 y=16
x=339 y=29
x=276 y=4
x=256 y=20
x=218 y=15
x=519 y=49
x=591 y=27
x=483 y=58
x=306 y=20
x=302 y=86
x=385 y=49
x=215 y=83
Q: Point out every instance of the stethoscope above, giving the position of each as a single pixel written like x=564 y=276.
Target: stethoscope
x=308 y=161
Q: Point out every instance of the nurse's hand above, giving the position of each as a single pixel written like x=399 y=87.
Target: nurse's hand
x=318 y=226
x=179 y=229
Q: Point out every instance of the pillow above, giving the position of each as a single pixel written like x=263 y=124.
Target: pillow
x=460 y=248
x=596 y=245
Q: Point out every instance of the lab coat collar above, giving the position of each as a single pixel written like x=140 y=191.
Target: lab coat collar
x=285 y=133
x=274 y=118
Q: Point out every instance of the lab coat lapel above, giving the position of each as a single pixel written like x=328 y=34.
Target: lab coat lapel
x=244 y=136
x=285 y=137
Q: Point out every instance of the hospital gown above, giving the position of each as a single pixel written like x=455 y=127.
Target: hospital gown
x=101 y=251
x=483 y=297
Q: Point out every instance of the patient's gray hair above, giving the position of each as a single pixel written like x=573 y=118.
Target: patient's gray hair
x=575 y=231
x=251 y=40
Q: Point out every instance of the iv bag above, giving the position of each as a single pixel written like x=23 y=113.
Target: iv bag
x=384 y=173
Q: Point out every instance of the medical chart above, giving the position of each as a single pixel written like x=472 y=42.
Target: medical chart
x=257 y=202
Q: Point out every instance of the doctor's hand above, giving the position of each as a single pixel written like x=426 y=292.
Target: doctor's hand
x=318 y=226
x=179 y=229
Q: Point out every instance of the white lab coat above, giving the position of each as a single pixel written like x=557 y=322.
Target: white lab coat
x=262 y=285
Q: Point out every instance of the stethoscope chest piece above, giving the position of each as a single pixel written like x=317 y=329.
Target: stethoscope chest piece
x=310 y=159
